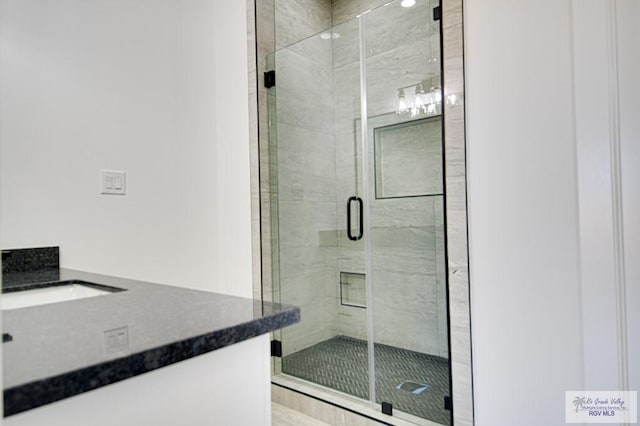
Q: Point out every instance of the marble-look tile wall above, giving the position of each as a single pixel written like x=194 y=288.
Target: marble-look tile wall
x=457 y=243
x=296 y=20
x=409 y=283
x=408 y=158
x=317 y=166
x=305 y=173
x=345 y=10
x=280 y=23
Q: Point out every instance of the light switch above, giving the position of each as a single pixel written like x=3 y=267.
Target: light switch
x=117 y=182
x=112 y=182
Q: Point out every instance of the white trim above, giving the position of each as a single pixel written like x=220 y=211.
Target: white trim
x=616 y=194
x=572 y=37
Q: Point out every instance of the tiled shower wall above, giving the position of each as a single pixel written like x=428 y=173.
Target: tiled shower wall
x=296 y=20
x=407 y=235
x=268 y=31
x=306 y=189
x=302 y=168
x=317 y=164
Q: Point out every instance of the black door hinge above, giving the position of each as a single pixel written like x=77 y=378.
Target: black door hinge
x=448 y=403
x=276 y=348
x=269 y=79
x=387 y=408
x=437 y=13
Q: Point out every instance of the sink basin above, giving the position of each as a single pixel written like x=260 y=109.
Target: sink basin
x=53 y=293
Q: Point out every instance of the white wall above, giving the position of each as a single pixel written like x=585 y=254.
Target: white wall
x=233 y=201
x=156 y=88
x=523 y=235
x=543 y=298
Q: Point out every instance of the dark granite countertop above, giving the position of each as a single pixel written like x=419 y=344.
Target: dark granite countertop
x=59 y=350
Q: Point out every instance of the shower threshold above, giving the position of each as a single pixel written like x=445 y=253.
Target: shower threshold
x=304 y=389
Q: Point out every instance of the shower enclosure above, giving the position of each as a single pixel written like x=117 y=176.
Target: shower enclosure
x=357 y=209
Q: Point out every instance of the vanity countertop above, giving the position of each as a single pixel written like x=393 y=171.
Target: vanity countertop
x=60 y=349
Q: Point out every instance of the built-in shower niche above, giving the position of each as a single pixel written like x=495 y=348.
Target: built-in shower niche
x=353 y=289
x=408 y=157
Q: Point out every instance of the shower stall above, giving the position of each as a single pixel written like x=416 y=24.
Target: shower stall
x=356 y=195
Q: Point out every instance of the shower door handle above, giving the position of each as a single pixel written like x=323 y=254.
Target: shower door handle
x=361 y=224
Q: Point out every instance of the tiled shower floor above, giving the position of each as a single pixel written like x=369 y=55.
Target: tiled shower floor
x=341 y=363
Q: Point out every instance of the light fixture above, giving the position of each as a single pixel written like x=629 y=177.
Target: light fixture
x=435 y=99
x=419 y=102
x=407 y=3
x=415 y=100
x=437 y=94
x=403 y=106
x=329 y=36
x=418 y=106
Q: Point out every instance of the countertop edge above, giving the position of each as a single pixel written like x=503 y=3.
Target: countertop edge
x=35 y=394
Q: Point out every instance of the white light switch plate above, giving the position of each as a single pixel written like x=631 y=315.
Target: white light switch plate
x=116 y=341
x=113 y=182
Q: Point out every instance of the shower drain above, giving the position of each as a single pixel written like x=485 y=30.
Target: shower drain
x=413 y=387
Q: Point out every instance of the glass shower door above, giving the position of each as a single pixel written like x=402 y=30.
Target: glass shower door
x=315 y=192
x=357 y=210
x=405 y=246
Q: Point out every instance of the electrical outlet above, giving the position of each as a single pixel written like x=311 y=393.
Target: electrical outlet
x=112 y=182
x=116 y=341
